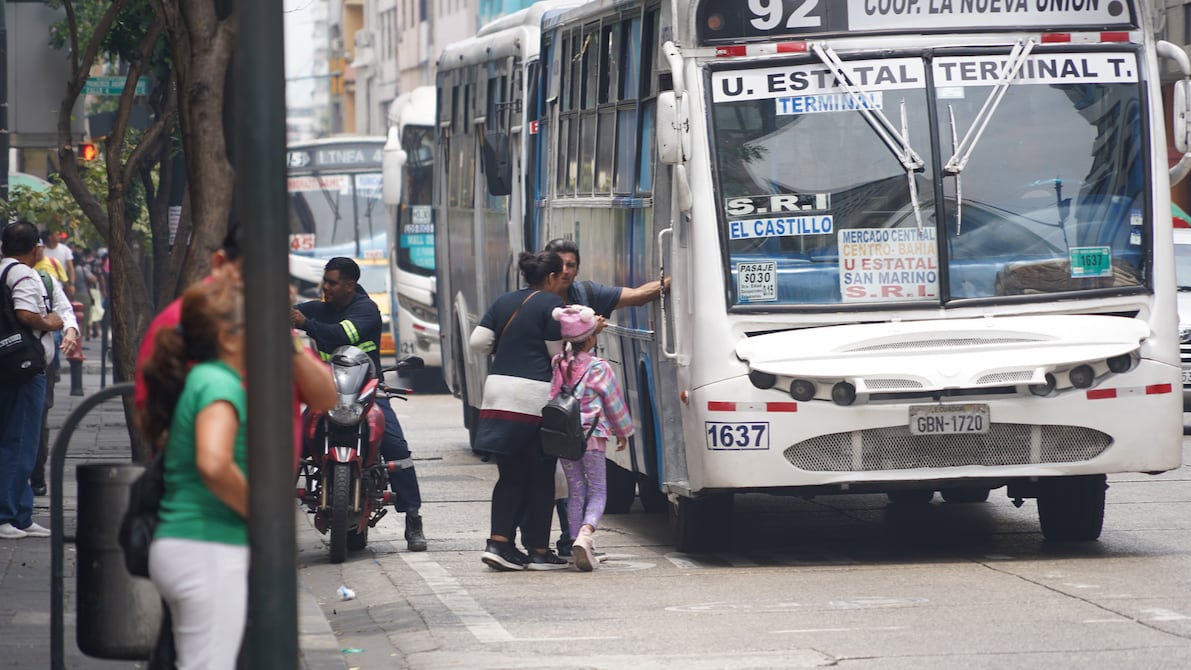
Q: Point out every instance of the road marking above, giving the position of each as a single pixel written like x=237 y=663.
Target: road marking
x=864 y=602
x=454 y=597
x=835 y=630
x=621 y=563
x=567 y=638
x=1159 y=614
x=682 y=560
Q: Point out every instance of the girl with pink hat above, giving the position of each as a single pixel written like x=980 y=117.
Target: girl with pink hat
x=602 y=406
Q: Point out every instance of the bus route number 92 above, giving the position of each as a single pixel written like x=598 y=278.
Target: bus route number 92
x=723 y=436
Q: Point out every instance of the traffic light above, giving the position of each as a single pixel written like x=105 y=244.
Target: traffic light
x=87 y=151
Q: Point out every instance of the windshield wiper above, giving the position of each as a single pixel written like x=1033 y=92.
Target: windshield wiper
x=959 y=180
x=897 y=142
x=963 y=151
x=332 y=203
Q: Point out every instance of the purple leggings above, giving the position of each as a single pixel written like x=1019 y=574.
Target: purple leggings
x=587 y=486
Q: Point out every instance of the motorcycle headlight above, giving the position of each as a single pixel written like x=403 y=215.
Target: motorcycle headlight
x=346 y=414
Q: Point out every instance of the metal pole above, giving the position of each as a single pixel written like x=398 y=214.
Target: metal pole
x=259 y=155
x=4 y=136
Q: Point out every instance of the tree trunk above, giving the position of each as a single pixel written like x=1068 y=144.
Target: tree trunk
x=202 y=42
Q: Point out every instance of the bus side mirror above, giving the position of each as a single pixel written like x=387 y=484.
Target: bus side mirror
x=392 y=165
x=1181 y=115
x=498 y=165
x=670 y=128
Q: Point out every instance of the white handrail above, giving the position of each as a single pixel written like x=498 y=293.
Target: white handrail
x=665 y=349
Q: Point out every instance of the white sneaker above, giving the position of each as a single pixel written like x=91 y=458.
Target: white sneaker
x=36 y=530
x=584 y=553
x=11 y=532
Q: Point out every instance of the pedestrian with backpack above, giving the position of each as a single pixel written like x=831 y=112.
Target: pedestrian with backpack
x=603 y=299
x=603 y=414
x=26 y=347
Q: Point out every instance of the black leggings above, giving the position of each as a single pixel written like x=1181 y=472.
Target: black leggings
x=524 y=491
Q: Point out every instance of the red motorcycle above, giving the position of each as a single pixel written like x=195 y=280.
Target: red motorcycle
x=343 y=479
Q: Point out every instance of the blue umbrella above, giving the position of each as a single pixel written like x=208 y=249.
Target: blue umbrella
x=28 y=181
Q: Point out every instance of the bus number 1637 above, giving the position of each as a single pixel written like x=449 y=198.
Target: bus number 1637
x=723 y=436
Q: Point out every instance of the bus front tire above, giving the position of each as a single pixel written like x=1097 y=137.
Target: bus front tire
x=652 y=498
x=622 y=488
x=1071 y=509
x=702 y=524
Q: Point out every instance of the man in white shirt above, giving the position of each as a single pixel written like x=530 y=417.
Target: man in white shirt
x=21 y=403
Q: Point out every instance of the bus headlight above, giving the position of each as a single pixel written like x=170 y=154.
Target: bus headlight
x=1045 y=388
x=762 y=380
x=419 y=310
x=843 y=393
x=1120 y=363
x=1082 y=376
x=802 y=390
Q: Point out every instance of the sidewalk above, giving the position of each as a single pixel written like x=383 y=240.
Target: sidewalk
x=25 y=570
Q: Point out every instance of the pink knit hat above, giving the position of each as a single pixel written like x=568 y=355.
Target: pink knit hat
x=578 y=322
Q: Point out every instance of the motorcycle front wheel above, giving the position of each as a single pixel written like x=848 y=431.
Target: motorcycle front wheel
x=341 y=487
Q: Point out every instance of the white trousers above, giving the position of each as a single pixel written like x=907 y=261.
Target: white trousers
x=205 y=585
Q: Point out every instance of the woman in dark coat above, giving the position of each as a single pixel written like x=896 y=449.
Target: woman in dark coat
x=522 y=336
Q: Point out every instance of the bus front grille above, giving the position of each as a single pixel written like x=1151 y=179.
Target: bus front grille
x=895 y=448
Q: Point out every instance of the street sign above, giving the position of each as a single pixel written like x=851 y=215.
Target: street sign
x=113 y=86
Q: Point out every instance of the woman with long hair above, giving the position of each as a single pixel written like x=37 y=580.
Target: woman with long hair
x=197 y=413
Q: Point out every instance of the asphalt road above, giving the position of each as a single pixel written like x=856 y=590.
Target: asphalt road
x=850 y=581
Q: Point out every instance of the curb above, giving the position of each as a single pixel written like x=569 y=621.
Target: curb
x=318 y=647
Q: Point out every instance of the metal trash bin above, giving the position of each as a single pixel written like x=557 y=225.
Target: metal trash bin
x=118 y=615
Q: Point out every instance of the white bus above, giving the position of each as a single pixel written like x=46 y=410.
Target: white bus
x=485 y=206
x=911 y=251
x=408 y=177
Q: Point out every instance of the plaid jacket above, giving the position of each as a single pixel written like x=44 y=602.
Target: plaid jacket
x=599 y=392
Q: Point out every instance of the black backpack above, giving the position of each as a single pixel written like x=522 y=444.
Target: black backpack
x=21 y=355
x=140 y=517
x=562 y=423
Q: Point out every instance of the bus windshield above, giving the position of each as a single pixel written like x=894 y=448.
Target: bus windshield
x=329 y=212
x=817 y=207
x=415 y=249
x=374 y=277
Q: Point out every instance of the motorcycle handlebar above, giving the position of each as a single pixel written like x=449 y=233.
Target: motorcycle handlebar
x=395 y=392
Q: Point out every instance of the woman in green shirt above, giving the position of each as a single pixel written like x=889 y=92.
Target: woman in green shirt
x=199 y=556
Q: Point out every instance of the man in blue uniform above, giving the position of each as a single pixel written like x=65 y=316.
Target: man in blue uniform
x=346 y=315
